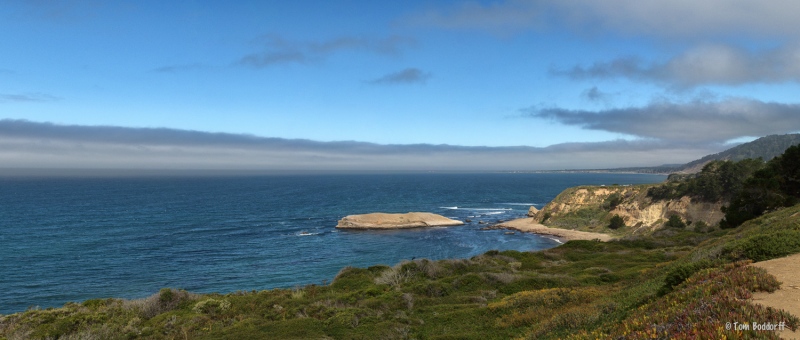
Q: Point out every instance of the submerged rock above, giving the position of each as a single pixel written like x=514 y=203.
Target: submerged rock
x=395 y=221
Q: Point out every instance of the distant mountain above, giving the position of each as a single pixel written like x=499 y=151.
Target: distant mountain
x=765 y=147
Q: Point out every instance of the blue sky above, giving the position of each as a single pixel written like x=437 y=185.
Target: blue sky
x=517 y=85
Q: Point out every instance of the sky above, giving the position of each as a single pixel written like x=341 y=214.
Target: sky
x=401 y=85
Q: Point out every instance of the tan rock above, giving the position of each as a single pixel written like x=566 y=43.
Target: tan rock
x=532 y=211
x=395 y=221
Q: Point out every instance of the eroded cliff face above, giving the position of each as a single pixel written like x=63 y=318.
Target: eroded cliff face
x=590 y=207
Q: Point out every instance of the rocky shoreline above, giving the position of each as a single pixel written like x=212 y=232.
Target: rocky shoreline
x=529 y=225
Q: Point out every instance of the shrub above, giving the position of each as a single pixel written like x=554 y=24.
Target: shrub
x=612 y=201
x=211 y=306
x=616 y=222
x=680 y=273
x=765 y=247
x=675 y=222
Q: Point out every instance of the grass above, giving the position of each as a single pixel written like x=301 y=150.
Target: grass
x=677 y=283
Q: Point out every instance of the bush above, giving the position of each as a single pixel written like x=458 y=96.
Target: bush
x=765 y=247
x=675 y=222
x=680 y=273
x=612 y=201
x=616 y=222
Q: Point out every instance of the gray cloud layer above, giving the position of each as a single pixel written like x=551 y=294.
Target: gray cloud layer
x=25 y=144
x=694 y=122
x=278 y=50
x=660 y=18
x=708 y=64
x=406 y=76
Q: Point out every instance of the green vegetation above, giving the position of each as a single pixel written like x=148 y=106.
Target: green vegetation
x=765 y=148
x=612 y=201
x=675 y=221
x=616 y=222
x=718 y=181
x=675 y=284
x=775 y=186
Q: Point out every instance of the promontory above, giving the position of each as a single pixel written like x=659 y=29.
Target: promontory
x=395 y=221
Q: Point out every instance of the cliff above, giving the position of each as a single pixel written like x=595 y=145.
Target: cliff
x=395 y=221
x=591 y=208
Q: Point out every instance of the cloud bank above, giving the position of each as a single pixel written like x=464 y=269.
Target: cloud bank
x=696 y=20
x=695 y=122
x=702 y=65
x=25 y=144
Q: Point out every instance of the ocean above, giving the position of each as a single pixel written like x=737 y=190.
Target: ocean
x=73 y=239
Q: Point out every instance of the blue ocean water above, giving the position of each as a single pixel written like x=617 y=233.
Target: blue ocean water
x=72 y=239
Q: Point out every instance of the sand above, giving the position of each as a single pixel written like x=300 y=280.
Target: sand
x=787 y=271
x=528 y=225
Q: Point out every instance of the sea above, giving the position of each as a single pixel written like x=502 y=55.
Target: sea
x=72 y=239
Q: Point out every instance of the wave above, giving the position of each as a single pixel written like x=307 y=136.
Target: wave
x=477 y=209
x=526 y=204
x=305 y=233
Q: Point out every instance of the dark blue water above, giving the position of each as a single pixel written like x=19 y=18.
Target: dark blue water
x=75 y=239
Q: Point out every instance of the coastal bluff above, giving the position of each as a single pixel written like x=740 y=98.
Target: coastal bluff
x=395 y=221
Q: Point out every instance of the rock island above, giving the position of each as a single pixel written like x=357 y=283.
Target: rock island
x=395 y=221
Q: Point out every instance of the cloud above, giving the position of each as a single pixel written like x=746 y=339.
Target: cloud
x=499 y=18
x=593 y=94
x=179 y=68
x=278 y=50
x=698 y=20
x=699 y=121
x=702 y=65
x=27 y=97
x=25 y=144
x=406 y=76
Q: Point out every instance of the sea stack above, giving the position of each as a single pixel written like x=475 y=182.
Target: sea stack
x=396 y=221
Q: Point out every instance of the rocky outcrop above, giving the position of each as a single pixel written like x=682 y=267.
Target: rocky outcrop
x=590 y=207
x=532 y=211
x=395 y=221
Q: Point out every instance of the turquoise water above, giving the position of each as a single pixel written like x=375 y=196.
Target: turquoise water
x=72 y=239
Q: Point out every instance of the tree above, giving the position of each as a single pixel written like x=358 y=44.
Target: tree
x=616 y=222
x=675 y=222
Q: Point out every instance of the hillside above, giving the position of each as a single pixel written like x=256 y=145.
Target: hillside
x=766 y=148
x=590 y=208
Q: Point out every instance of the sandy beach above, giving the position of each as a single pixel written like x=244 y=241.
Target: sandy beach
x=528 y=225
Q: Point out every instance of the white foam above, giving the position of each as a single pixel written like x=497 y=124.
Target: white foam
x=451 y=208
x=487 y=209
x=555 y=239
x=527 y=204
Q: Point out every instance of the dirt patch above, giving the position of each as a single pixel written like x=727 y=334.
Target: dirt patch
x=787 y=271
